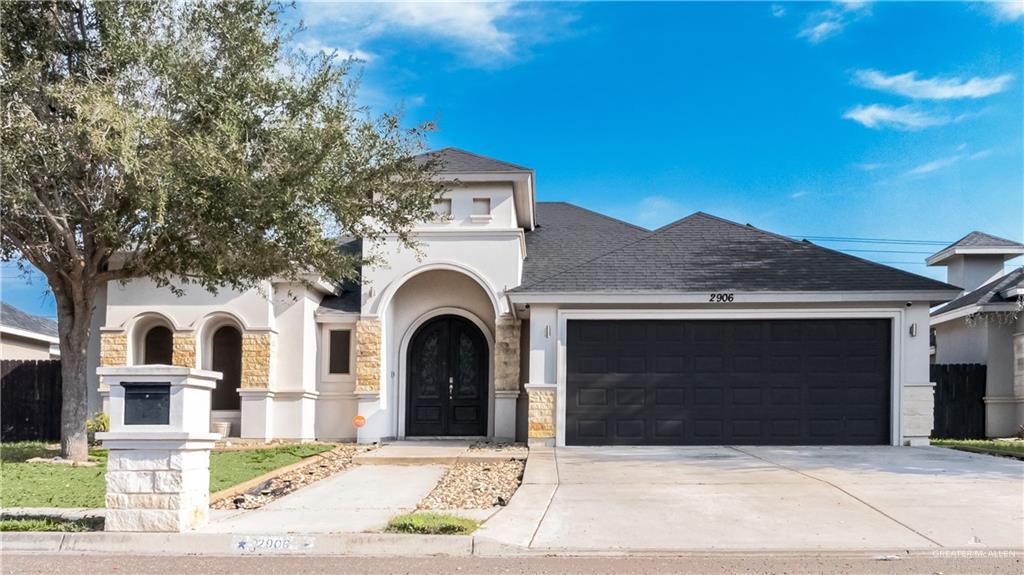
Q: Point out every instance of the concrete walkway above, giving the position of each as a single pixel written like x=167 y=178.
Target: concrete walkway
x=360 y=499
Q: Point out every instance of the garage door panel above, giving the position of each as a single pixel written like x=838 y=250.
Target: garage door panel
x=718 y=382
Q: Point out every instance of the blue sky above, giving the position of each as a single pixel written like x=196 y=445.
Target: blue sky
x=868 y=120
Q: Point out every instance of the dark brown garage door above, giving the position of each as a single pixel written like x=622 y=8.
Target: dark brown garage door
x=743 y=382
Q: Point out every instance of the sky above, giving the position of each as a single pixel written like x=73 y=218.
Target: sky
x=894 y=121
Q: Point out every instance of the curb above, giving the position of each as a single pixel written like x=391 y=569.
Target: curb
x=390 y=545
x=352 y=544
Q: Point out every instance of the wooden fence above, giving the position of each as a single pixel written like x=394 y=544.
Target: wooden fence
x=959 y=407
x=30 y=400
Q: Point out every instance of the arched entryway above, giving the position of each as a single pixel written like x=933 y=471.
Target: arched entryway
x=226 y=357
x=447 y=382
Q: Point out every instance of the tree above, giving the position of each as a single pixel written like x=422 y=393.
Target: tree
x=184 y=141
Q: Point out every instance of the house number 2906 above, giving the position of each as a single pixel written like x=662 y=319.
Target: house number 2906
x=721 y=298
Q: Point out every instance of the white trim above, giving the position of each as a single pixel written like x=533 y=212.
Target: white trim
x=446 y=265
x=1011 y=251
x=28 y=334
x=896 y=346
x=403 y=362
x=676 y=297
x=971 y=310
x=1012 y=292
x=296 y=394
x=1002 y=399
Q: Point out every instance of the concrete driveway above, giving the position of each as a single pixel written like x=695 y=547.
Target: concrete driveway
x=778 y=498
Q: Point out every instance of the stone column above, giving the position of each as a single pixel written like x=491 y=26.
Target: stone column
x=369 y=344
x=183 y=352
x=158 y=463
x=113 y=348
x=506 y=376
x=542 y=412
x=257 y=399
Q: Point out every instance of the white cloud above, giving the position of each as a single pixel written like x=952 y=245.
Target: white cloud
x=798 y=195
x=312 y=46
x=934 y=165
x=880 y=116
x=940 y=163
x=824 y=24
x=937 y=88
x=482 y=33
x=870 y=166
x=653 y=212
x=778 y=10
x=1004 y=10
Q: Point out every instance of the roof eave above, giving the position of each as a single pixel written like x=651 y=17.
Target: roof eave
x=28 y=334
x=933 y=297
x=968 y=310
x=1008 y=253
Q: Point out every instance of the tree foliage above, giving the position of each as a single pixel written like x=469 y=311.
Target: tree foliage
x=185 y=142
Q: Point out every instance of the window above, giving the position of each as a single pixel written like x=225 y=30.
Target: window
x=481 y=206
x=157 y=346
x=443 y=208
x=341 y=340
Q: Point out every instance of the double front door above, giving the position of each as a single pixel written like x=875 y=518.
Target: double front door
x=447 y=379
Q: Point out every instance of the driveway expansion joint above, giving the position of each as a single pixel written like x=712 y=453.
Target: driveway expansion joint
x=845 y=492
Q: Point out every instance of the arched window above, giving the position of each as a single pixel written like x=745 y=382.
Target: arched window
x=157 y=346
x=226 y=357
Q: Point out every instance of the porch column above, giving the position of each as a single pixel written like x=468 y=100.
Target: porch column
x=183 y=351
x=506 y=376
x=256 y=396
x=368 y=374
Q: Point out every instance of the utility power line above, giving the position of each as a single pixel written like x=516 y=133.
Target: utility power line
x=872 y=240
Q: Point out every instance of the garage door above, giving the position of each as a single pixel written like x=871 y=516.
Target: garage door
x=743 y=382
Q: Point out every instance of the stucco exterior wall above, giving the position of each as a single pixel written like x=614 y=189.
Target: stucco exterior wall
x=957 y=341
x=13 y=347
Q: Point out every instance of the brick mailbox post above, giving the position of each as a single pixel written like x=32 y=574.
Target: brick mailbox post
x=158 y=465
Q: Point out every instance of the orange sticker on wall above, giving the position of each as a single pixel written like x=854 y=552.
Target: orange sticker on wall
x=359 y=421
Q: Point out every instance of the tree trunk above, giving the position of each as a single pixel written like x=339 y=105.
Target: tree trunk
x=74 y=318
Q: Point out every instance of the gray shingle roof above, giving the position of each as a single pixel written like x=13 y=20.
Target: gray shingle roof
x=349 y=298
x=983 y=240
x=705 y=253
x=986 y=294
x=11 y=316
x=567 y=235
x=456 y=161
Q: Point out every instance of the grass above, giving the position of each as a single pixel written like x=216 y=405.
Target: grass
x=431 y=524
x=991 y=446
x=41 y=485
x=39 y=523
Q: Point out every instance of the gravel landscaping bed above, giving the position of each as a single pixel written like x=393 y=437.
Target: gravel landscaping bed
x=321 y=466
x=515 y=449
x=475 y=485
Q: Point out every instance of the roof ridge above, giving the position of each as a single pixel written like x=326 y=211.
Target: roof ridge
x=481 y=156
x=605 y=216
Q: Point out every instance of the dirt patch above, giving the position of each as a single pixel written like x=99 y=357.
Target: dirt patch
x=323 y=465
x=469 y=485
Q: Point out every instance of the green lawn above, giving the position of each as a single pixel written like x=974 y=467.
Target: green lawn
x=994 y=446
x=431 y=524
x=50 y=524
x=41 y=485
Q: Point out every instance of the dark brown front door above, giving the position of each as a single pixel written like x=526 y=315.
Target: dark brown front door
x=447 y=382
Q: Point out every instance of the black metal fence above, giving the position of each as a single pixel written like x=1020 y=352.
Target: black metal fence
x=30 y=400
x=959 y=407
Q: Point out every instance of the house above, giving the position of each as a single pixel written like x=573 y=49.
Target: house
x=543 y=320
x=985 y=324
x=26 y=336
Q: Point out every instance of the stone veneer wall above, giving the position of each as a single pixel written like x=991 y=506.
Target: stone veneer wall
x=113 y=349
x=257 y=350
x=157 y=490
x=506 y=354
x=918 y=411
x=183 y=352
x=541 y=413
x=368 y=355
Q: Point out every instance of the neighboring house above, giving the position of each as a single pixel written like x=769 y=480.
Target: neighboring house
x=547 y=321
x=26 y=336
x=985 y=324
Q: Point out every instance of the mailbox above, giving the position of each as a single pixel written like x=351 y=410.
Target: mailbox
x=147 y=403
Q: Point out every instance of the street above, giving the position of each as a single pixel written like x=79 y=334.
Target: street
x=863 y=563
